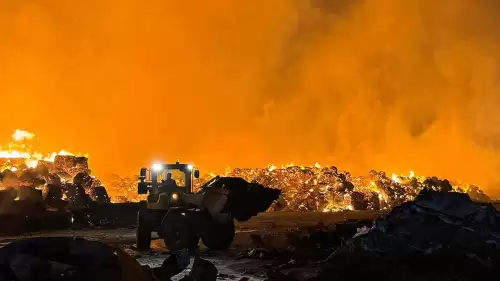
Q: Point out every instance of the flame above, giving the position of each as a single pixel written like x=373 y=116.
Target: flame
x=320 y=188
x=395 y=178
x=304 y=188
x=271 y=167
x=20 y=135
x=20 y=149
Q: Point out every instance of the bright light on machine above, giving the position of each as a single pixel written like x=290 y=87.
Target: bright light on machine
x=175 y=196
x=190 y=167
x=157 y=167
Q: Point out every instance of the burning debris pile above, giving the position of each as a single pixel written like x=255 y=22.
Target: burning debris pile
x=19 y=154
x=27 y=175
x=327 y=189
x=313 y=188
x=121 y=189
x=439 y=236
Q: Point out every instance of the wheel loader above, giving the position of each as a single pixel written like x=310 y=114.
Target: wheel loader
x=181 y=217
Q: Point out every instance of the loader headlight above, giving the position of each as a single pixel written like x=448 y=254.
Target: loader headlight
x=174 y=196
x=157 y=167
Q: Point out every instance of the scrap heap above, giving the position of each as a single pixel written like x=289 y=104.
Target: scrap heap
x=122 y=189
x=317 y=188
x=304 y=188
x=438 y=236
x=327 y=189
x=27 y=175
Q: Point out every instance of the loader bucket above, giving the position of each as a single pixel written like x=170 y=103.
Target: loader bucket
x=238 y=197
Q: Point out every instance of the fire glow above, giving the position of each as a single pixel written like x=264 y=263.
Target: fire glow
x=304 y=188
x=20 y=149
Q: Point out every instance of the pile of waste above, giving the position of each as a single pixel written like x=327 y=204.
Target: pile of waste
x=26 y=173
x=327 y=189
x=121 y=189
x=319 y=189
x=52 y=191
x=61 y=185
x=304 y=188
x=77 y=259
x=55 y=194
x=64 y=177
x=302 y=245
x=66 y=258
x=438 y=236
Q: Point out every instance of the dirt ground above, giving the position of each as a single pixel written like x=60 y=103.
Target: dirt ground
x=270 y=226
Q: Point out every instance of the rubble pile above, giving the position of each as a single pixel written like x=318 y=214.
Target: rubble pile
x=48 y=191
x=438 y=236
x=122 y=189
x=26 y=173
x=316 y=188
x=32 y=197
x=327 y=189
x=302 y=245
x=304 y=188
x=313 y=188
x=78 y=259
x=66 y=258
x=52 y=191
x=64 y=178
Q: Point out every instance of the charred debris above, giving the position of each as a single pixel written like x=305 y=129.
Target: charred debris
x=57 y=195
x=437 y=236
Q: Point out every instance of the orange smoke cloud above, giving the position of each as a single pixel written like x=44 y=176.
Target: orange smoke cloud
x=389 y=84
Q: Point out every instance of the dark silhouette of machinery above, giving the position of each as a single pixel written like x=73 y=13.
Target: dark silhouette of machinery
x=181 y=216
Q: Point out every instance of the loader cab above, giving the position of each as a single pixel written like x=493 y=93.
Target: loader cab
x=150 y=179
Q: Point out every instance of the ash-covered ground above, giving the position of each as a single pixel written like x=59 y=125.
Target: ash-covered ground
x=245 y=257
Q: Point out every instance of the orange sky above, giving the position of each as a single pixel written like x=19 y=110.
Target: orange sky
x=384 y=84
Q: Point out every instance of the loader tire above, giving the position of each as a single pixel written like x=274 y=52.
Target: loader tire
x=179 y=232
x=143 y=232
x=218 y=236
